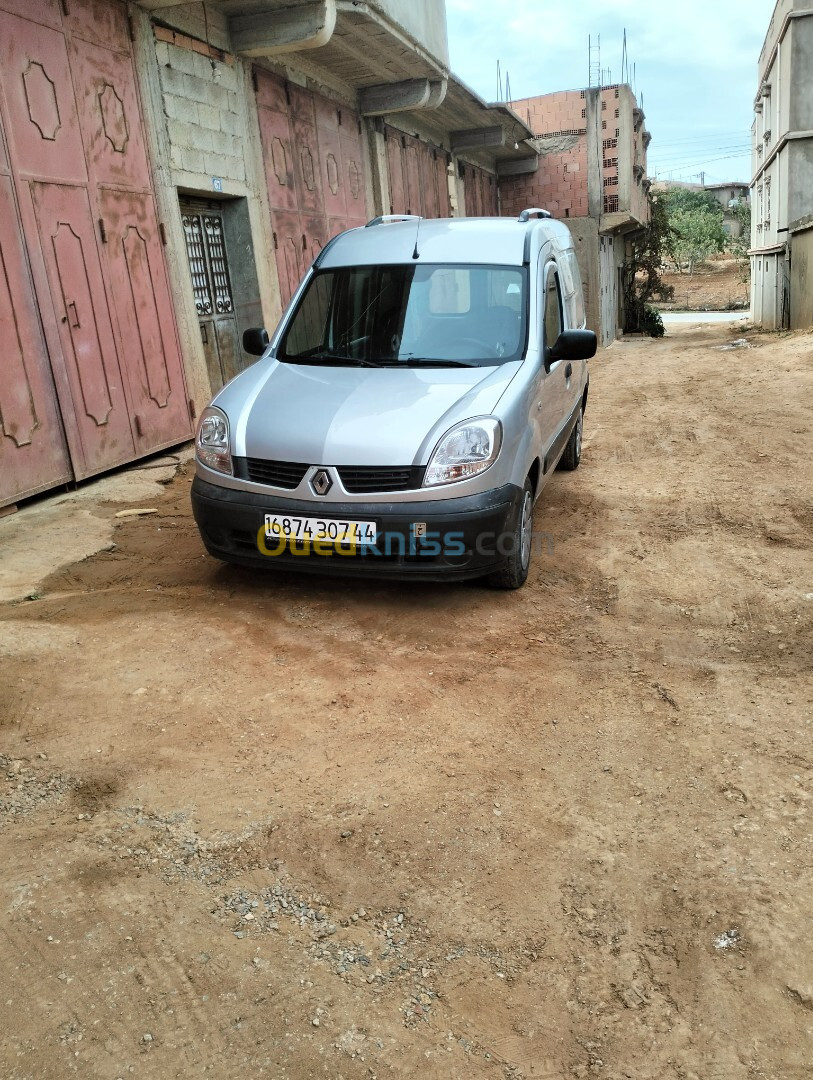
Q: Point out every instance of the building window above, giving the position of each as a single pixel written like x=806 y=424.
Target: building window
x=611 y=163
x=616 y=114
x=610 y=181
x=603 y=106
x=617 y=132
x=610 y=144
x=604 y=123
x=584 y=113
x=616 y=91
x=582 y=95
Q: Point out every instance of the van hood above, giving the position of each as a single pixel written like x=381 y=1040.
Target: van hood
x=354 y=415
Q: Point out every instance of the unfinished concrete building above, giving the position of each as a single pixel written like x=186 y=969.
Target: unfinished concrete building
x=782 y=184
x=592 y=173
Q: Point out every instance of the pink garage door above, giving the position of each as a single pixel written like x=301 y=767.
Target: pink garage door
x=418 y=178
x=481 y=191
x=105 y=385
x=313 y=166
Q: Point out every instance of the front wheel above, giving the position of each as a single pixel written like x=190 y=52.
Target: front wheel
x=514 y=573
x=573 y=451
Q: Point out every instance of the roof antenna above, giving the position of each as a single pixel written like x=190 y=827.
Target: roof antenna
x=415 y=253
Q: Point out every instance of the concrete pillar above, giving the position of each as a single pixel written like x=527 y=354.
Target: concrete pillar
x=166 y=197
x=595 y=190
x=378 y=174
x=259 y=209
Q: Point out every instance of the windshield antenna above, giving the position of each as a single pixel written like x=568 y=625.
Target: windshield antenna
x=415 y=253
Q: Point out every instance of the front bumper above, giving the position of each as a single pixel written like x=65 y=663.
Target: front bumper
x=463 y=538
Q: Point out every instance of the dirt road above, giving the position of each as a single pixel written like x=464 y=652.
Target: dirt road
x=298 y=828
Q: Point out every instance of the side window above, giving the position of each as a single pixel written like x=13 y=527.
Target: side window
x=553 y=309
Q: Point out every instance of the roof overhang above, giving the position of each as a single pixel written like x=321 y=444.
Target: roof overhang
x=490 y=132
x=360 y=42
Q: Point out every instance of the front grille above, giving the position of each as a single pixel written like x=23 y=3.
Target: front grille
x=357 y=479
x=281 y=474
x=368 y=479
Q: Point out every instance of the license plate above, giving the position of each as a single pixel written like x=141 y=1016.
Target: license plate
x=325 y=530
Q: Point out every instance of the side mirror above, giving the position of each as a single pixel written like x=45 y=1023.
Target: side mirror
x=573 y=345
x=255 y=340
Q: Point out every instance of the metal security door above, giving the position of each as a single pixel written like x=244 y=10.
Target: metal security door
x=211 y=286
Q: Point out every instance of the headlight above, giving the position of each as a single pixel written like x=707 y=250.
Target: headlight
x=212 y=441
x=465 y=451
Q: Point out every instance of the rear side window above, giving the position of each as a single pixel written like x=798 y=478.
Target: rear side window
x=553 y=308
x=572 y=295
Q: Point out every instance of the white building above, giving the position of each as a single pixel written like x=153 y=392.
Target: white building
x=782 y=184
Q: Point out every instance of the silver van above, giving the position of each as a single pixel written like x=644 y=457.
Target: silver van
x=422 y=386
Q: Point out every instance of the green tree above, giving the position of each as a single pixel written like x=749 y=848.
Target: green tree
x=687 y=199
x=696 y=226
x=739 y=246
x=641 y=275
x=695 y=234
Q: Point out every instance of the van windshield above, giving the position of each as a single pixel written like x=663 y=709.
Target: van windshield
x=428 y=315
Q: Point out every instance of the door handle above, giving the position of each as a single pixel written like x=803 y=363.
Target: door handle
x=75 y=322
x=568 y=371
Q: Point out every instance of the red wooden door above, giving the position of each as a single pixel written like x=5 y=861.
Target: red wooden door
x=313 y=167
x=68 y=241
x=43 y=124
x=138 y=282
x=77 y=157
x=417 y=172
x=33 y=455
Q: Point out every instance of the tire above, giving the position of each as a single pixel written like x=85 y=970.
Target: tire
x=514 y=573
x=573 y=451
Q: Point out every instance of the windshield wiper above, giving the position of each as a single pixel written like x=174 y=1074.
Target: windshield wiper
x=320 y=356
x=434 y=361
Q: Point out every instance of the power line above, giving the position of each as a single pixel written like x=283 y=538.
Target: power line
x=718 y=137
x=684 y=167
x=735 y=151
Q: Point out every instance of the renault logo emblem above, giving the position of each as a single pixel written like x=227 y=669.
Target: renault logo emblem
x=321 y=482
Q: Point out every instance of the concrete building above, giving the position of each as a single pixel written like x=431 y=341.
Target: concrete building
x=167 y=172
x=592 y=173
x=782 y=160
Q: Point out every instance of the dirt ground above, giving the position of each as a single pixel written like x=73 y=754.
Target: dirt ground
x=263 y=826
x=716 y=285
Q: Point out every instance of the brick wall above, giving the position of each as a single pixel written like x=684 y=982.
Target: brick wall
x=203 y=105
x=560 y=183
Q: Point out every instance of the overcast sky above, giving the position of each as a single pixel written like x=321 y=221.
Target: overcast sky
x=695 y=66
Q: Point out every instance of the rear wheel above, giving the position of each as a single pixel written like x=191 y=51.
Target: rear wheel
x=514 y=573
x=573 y=451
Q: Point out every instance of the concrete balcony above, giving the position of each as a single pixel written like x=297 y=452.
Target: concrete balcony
x=367 y=44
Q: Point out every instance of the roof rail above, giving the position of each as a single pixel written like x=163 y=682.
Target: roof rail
x=388 y=219
x=534 y=211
